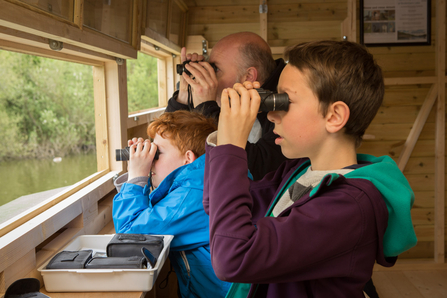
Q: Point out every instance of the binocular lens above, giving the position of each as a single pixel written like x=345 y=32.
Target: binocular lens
x=271 y=101
x=274 y=102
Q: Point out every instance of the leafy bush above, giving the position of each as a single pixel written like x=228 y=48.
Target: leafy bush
x=47 y=106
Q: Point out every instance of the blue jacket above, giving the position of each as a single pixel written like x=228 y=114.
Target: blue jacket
x=174 y=208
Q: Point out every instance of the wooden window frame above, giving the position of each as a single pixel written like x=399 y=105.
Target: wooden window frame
x=77 y=206
x=26 y=18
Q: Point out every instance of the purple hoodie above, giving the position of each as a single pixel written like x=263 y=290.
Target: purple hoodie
x=324 y=245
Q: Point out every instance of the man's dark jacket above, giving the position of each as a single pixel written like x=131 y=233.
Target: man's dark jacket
x=263 y=156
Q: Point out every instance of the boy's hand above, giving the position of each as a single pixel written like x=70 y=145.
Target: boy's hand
x=239 y=107
x=183 y=88
x=251 y=85
x=141 y=156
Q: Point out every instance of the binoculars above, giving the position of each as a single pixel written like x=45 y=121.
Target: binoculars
x=271 y=101
x=124 y=154
x=181 y=67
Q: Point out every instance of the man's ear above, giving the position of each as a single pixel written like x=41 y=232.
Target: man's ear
x=189 y=157
x=337 y=116
x=251 y=74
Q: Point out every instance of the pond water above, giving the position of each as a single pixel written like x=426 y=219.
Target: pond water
x=24 y=177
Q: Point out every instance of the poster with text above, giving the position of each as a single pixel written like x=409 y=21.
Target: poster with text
x=395 y=22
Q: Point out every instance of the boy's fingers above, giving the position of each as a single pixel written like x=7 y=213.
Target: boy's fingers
x=255 y=101
x=153 y=149
x=235 y=99
x=248 y=85
x=224 y=101
x=140 y=146
x=146 y=145
x=244 y=95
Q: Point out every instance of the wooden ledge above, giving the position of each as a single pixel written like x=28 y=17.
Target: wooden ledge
x=95 y=294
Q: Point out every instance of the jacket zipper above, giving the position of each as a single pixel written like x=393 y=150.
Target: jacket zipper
x=185 y=260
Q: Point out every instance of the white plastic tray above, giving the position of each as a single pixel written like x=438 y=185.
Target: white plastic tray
x=101 y=280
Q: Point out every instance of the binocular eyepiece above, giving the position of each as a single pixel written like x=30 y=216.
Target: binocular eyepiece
x=124 y=154
x=181 y=67
x=271 y=101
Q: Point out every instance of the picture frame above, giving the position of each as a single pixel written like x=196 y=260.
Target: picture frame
x=385 y=23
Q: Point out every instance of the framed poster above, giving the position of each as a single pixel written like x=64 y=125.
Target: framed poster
x=395 y=22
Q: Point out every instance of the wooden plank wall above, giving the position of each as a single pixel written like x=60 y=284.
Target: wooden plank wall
x=293 y=21
x=289 y=21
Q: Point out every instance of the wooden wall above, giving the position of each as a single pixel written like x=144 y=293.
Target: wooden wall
x=289 y=21
x=293 y=21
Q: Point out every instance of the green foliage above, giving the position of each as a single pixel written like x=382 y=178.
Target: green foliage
x=142 y=83
x=46 y=107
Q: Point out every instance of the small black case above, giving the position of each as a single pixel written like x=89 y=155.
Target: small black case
x=126 y=245
x=25 y=288
x=70 y=259
x=133 y=262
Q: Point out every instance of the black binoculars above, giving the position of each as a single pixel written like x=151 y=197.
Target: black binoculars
x=271 y=101
x=181 y=67
x=123 y=154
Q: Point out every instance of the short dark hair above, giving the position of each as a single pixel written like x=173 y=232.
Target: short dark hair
x=253 y=55
x=342 y=71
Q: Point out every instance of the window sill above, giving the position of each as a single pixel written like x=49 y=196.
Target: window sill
x=144 y=117
x=80 y=199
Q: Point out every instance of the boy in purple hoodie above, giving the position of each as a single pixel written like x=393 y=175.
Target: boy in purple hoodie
x=316 y=226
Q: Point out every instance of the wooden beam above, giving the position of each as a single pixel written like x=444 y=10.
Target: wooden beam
x=78 y=15
x=79 y=55
x=171 y=71
x=100 y=100
x=162 y=70
x=26 y=20
x=160 y=41
x=116 y=93
x=137 y=20
x=440 y=134
x=149 y=48
x=263 y=9
x=410 y=81
x=47 y=53
x=349 y=25
x=417 y=127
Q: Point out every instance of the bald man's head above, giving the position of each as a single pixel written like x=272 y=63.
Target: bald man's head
x=251 y=50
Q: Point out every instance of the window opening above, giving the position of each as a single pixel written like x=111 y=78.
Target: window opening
x=142 y=83
x=47 y=125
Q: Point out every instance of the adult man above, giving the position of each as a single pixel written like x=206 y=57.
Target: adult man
x=239 y=57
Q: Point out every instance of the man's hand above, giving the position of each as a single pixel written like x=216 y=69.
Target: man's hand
x=239 y=107
x=183 y=88
x=142 y=154
x=204 y=84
